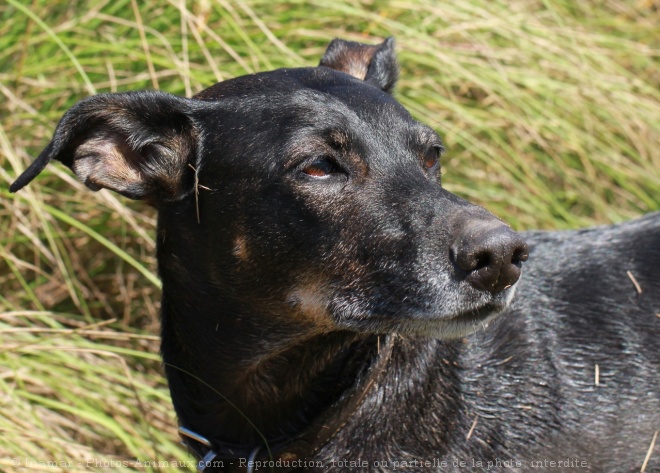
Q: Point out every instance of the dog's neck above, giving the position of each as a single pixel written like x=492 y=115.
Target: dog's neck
x=238 y=377
x=230 y=389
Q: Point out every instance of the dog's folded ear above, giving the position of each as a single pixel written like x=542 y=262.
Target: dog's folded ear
x=373 y=64
x=138 y=144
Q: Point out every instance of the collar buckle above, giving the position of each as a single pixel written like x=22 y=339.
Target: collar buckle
x=199 y=446
x=202 y=449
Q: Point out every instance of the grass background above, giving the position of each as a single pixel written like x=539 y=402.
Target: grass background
x=550 y=111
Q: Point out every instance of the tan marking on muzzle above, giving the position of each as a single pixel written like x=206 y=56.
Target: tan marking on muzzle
x=312 y=303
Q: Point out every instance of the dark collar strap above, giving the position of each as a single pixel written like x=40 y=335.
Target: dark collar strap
x=288 y=453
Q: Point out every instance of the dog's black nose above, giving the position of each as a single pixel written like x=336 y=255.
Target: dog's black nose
x=491 y=254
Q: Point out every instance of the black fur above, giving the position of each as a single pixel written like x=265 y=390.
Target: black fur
x=529 y=379
x=301 y=220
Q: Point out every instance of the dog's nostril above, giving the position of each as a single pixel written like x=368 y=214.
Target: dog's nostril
x=482 y=260
x=520 y=254
x=469 y=260
x=491 y=256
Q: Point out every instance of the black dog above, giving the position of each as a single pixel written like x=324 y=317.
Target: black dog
x=316 y=279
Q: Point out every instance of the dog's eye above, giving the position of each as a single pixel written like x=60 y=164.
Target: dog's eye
x=322 y=168
x=430 y=158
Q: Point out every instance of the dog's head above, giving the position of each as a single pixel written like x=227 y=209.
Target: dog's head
x=309 y=194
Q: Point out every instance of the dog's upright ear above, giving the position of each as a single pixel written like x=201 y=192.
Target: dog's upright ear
x=138 y=144
x=373 y=64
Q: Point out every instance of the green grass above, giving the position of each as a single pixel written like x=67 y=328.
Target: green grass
x=550 y=111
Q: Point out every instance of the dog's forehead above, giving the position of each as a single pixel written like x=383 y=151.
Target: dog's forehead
x=300 y=109
x=317 y=92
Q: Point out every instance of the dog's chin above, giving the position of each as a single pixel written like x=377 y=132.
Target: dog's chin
x=444 y=326
x=457 y=326
x=462 y=322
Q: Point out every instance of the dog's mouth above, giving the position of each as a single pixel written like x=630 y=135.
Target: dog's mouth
x=477 y=315
x=446 y=327
x=456 y=326
x=442 y=319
